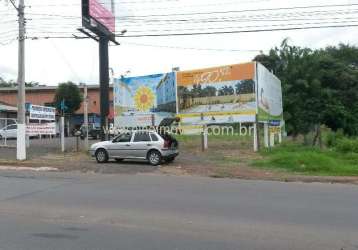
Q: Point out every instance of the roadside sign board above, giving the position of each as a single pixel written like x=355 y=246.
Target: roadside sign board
x=42 y=113
x=41 y=129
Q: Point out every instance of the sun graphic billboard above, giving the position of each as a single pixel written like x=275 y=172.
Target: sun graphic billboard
x=217 y=95
x=145 y=100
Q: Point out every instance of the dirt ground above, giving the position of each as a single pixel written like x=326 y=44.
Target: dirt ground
x=228 y=158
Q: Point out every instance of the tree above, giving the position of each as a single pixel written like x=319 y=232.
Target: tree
x=32 y=84
x=6 y=84
x=245 y=87
x=71 y=94
x=209 y=91
x=13 y=84
x=226 y=90
x=320 y=87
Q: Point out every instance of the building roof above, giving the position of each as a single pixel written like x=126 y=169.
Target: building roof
x=44 y=88
x=8 y=108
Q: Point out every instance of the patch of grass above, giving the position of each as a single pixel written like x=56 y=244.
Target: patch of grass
x=309 y=161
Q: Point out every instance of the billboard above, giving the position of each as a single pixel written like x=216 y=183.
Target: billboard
x=98 y=16
x=217 y=95
x=145 y=100
x=37 y=112
x=269 y=96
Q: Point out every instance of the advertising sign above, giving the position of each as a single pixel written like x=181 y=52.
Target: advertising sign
x=145 y=100
x=102 y=12
x=42 y=113
x=217 y=95
x=41 y=129
x=269 y=96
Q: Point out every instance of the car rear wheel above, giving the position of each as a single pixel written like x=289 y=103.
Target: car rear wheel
x=169 y=159
x=154 y=157
x=101 y=156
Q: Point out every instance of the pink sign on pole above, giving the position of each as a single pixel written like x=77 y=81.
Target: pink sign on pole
x=102 y=14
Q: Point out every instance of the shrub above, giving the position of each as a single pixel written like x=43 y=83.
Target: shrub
x=332 y=138
x=346 y=145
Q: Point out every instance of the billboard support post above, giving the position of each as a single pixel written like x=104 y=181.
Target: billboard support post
x=280 y=137
x=266 y=135
x=272 y=139
x=256 y=137
x=104 y=84
x=204 y=139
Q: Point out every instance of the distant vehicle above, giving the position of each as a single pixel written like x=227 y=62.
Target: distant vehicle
x=141 y=145
x=94 y=131
x=9 y=132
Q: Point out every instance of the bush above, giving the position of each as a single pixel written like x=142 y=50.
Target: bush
x=346 y=145
x=332 y=138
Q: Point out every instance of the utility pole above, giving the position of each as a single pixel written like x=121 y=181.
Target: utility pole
x=21 y=119
x=85 y=123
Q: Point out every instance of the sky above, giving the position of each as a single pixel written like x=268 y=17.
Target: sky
x=51 y=61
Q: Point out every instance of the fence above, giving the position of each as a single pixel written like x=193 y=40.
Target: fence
x=8 y=132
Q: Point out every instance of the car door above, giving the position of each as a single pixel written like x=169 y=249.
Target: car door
x=141 y=144
x=11 y=131
x=120 y=146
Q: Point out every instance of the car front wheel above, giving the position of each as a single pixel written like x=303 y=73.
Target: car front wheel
x=101 y=156
x=154 y=158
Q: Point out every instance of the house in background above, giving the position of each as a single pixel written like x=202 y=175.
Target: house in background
x=44 y=96
x=8 y=114
x=166 y=94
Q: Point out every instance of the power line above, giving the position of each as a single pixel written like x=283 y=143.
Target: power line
x=241 y=31
x=214 y=12
x=191 y=48
x=203 y=33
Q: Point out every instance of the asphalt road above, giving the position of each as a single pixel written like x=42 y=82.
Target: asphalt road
x=145 y=211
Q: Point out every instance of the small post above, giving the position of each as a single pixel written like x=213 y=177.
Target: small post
x=204 y=138
x=77 y=143
x=63 y=134
x=27 y=136
x=40 y=136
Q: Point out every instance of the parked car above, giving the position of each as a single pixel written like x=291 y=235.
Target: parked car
x=94 y=131
x=9 y=132
x=143 y=145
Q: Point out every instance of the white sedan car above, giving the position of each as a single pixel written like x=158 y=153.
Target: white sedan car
x=143 y=145
x=9 y=132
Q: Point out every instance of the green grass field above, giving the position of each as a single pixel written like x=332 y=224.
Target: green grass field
x=305 y=160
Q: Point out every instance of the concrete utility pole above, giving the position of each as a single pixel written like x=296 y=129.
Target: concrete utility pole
x=21 y=119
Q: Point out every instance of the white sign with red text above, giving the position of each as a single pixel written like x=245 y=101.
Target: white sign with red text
x=41 y=129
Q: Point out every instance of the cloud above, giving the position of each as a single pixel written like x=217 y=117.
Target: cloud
x=7 y=73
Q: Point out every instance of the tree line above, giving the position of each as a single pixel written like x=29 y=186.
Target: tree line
x=320 y=87
x=241 y=87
